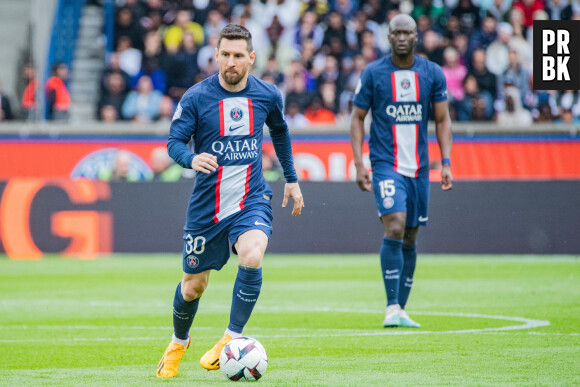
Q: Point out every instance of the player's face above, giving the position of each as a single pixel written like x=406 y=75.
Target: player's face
x=403 y=37
x=234 y=60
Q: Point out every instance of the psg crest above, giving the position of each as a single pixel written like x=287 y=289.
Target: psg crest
x=236 y=114
x=192 y=261
x=405 y=84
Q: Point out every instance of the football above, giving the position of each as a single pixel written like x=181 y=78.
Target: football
x=244 y=359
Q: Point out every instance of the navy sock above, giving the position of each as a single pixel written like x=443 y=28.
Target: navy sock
x=183 y=314
x=246 y=291
x=409 y=263
x=392 y=265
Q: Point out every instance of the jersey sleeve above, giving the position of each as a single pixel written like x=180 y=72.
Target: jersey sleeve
x=439 y=85
x=364 y=91
x=281 y=138
x=183 y=127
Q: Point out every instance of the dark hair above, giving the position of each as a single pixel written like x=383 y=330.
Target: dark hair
x=236 y=32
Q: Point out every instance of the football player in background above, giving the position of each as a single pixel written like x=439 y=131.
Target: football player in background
x=400 y=91
x=230 y=202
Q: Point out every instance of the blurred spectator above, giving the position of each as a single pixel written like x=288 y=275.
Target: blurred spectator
x=555 y=8
x=460 y=43
x=121 y=170
x=337 y=38
x=318 y=7
x=474 y=106
x=528 y=7
x=454 y=73
x=270 y=167
x=294 y=118
x=174 y=33
x=163 y=167
x=329 y=95
x=129 y=57
x=297 y=92
x=142 y=105
x=468 y=16
x=57 y=95
x=114 y=66
x=215 y=23
x=567 y=117
x=346 y=8
x=182 y=68
x=108 y=114
x=431 y=47
x=5 y=108
x=368 y=48
x=166 y=109
x=544 y=113
x=28 y=100
x=486 y=81
x=126 y=26
x=499 y=10
x=307 y=28
x=515 y=75
x=514 y=115
x=273 y=70
x=206 y=58
x=317 y=114
x=483 y=36
x=114 y=93
x=497 y=52
x=153 y=62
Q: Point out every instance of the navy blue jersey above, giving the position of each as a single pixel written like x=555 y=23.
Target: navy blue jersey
x=229 y=125
x=400 y=101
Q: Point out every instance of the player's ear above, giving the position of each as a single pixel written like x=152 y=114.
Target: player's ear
x=252 y=57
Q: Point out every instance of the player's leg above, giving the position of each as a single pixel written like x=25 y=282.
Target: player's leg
x=203 y=250
x=249 y=236
x=417 y=210
x=392 y=263
x=390 y=193
x=185 y=303
x=406 y=283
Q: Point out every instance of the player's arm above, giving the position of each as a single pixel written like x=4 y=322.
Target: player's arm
x=363 y=101
x=182 y=129
x=357 y=136
x=283 y=148
x=444 y=138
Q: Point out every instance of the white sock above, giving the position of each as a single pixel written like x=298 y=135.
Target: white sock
x=175 y=339
x=233 y=334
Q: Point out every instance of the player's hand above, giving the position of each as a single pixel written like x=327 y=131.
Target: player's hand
x=363 y=178
x=204 y=162
x=292 y=190
x=446 y=178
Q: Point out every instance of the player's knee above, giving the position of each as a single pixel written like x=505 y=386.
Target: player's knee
x=395 y=231
x=251 y=257
x=192 y=290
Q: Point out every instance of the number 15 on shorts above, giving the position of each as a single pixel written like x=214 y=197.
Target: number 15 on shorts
x=387 y=188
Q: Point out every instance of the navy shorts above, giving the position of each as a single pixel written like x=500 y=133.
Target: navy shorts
x=397 y=193
x=209 y=247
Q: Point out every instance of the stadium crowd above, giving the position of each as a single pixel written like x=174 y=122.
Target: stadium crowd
x=315 y=50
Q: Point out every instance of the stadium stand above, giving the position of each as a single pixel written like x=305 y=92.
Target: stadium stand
x=313 y=50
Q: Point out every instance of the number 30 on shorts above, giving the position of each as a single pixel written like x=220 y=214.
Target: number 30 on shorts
x=194 y=245
x=387 y=187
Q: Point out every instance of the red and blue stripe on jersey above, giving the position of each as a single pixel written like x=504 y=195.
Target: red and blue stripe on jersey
x=229 y=126
x=400 y=101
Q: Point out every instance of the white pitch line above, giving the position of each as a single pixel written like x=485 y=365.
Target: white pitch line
x=295 y=332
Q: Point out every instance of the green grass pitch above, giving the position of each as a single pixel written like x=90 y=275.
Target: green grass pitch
x=487 y=320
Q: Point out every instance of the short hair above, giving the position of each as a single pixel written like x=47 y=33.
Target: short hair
x=236 y=32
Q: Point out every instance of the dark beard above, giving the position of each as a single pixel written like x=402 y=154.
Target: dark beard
x=232 y=79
